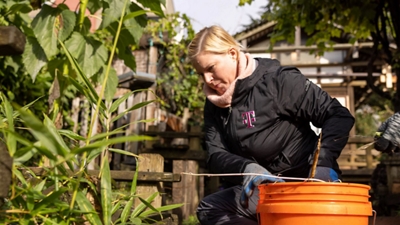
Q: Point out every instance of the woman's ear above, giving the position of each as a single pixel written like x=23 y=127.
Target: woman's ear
x=232 y=52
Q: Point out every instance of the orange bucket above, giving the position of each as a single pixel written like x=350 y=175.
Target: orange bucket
x=313 y=203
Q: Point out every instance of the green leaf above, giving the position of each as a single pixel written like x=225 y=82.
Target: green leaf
x=90 y=54
x=48 y=201
x=88 y=89
x=106 y=134
x=34 y=58
x=111 y=85
x=134 y=14
x=40 y=186
x=124 y=50
x=160 y=209
x=67 y=23
x=43 y=133
x=136 y=106
x=154 y=6
x=116 y=103
x=112 y=141
x=20 y=8
x=106 y=192
x=64 y=150
x=144 y=203
x=127 y=210
x=136 y=221
x=19 y=176
x=116 y=207
x=134 y=22
x=112 y=12
x=95 y=153
x=94 y=5
x=23 y=155
x=86 y=207
x=123 y=152
x=8 y=110
x=45 y=28
x=71 y=135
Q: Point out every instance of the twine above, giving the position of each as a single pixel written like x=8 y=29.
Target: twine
x=251 y=174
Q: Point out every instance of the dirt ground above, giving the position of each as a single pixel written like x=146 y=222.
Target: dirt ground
x=385 y=221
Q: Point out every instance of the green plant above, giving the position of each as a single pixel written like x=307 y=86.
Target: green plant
x=179 y=86
x=65 y=193
x=192 y=220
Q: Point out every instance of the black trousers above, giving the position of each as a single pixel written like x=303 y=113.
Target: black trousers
x=223 y=207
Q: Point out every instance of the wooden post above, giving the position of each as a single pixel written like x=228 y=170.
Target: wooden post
x=150 y=163
x=117 y=158
x=134 y=128
x=187 y=191
x=151 y=69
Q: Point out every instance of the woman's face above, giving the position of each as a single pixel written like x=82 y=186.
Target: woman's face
x=218 y=70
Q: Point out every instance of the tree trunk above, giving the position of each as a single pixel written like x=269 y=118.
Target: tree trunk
x=396 y=97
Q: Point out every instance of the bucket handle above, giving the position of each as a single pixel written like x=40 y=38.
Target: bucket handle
x=374 y=219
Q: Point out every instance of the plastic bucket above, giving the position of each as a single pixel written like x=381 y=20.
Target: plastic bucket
x=313 y=203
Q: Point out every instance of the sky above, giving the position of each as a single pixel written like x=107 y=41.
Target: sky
x=226 y=13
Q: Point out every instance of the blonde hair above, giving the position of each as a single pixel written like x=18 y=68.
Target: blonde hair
x=212 y=39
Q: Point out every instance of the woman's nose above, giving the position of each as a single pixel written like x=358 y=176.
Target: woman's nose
x=208 y=77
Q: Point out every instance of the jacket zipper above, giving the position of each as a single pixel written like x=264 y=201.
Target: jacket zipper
x=229 y=115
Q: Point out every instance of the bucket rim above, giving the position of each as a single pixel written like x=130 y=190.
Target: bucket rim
x=339 y=184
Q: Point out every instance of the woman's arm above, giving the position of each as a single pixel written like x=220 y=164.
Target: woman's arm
x=220 y=159
x=303 y=100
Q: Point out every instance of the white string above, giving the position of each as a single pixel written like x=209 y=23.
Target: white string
x=250 y=174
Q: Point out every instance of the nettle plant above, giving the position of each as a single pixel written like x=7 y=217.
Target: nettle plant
x=59 y=43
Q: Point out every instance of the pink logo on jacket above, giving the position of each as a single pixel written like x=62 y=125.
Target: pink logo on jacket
x=248 y=118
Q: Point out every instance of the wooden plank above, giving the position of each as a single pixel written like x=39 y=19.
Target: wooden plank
x=96 y=129
x=170 y=153
x=117 y=158
x=119 y=175
x=133 y=128
x=150 y=163
x=360 y=140
x=151 y=69
x=76 y=107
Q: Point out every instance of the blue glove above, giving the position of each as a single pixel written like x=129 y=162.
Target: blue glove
x=326 y=174
x=252 y=181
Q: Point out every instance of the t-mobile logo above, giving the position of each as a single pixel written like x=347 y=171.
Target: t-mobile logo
x=248 y=118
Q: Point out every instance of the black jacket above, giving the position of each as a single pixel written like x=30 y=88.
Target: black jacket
x=269 y=123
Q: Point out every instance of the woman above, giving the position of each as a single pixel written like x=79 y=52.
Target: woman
x=257 y=120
